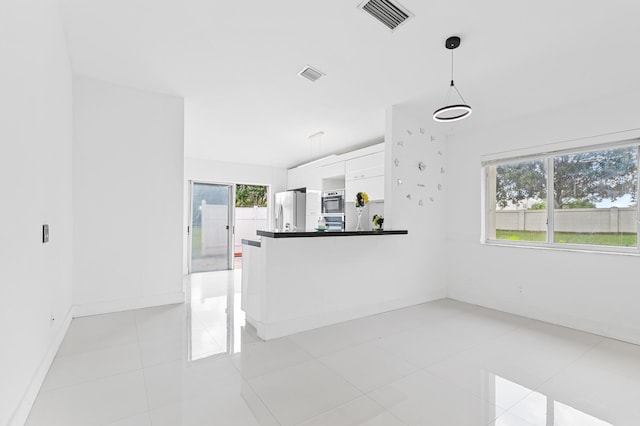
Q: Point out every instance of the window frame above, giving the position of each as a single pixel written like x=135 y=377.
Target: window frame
x=548 y=160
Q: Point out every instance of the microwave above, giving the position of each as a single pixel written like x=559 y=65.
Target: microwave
x=333 y=202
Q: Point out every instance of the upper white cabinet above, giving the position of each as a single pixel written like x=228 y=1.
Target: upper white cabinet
x=364 y=167
x=302 y=177
x=313 y=177
x=361 y=170
x=365 y=174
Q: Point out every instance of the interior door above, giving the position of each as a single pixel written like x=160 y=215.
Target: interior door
x=211 y=228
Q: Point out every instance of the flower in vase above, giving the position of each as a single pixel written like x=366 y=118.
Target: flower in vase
x=378 y=220
x=361 y=199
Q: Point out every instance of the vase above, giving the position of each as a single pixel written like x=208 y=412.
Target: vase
x=359 y=225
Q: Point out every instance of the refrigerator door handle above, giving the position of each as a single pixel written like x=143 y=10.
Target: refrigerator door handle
x=279 y=213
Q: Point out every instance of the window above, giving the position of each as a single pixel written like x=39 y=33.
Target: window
x=518 y=192
x=566 y=198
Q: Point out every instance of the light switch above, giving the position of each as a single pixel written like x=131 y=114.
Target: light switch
x=45 y=233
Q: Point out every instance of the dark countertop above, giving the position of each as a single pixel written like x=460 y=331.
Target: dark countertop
x=277 y=234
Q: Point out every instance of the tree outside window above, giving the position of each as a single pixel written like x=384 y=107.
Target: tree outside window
x=594 y=198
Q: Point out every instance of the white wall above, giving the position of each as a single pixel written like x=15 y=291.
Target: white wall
x=248 y=221
x=35 y=183
x=210 y=171
x=589 y=291
x=127 y=186
x=287 y=289
x=420 y=265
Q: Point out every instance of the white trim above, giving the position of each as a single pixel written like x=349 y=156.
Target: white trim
x=587 y=325
x=608 y=140
x=231 y=221
x=575 y=248
x=231 y=218
x=638 y=192
x=190 y=225
x=484 y=203
x=551 y=217
x=309 y=163
x=96 y=308
x=274 y=330
x=23 y=409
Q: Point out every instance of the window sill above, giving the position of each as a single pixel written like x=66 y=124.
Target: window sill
x=619 y=251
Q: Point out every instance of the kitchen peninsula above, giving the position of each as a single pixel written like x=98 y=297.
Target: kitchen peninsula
x=297 y=281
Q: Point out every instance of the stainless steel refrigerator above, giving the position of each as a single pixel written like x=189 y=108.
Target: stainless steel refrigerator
x=290 y=211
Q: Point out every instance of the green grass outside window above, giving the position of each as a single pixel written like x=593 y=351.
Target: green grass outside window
x=600 y=239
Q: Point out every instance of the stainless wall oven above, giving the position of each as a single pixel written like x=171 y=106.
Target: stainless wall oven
x=333 y=202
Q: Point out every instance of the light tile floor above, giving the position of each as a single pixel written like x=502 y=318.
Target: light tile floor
x=441 y=363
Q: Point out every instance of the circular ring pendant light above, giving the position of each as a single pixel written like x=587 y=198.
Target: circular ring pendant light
x=452 y=111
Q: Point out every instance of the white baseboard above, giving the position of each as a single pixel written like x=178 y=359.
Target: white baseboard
x=96 y=308
x=616 y=331
x=268 y=331
x=21 y=413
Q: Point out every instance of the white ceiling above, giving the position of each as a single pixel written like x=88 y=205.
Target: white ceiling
x=236 y=64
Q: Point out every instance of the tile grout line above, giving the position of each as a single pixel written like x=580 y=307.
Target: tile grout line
x=417 y=368
x=142 y=368
x=570 y=363
x=246 y=381
x=87 y=352
x=336 y=407
x=259 y=398
x=531 y=391
x=363 y=393
x=83 y=382
x=122 y=373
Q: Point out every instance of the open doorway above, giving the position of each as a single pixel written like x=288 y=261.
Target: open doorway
x=250 y=215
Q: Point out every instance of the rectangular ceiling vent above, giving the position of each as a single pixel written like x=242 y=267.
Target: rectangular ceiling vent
x=391 y=14
x=310 y=73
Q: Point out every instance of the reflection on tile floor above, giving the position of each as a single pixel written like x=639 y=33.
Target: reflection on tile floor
x=440 y=363
x=214 y=313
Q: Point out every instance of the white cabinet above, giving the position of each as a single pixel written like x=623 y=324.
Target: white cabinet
x=361 y=170
x=332 y=170
x=303 y=177
x=365 y=174
x=313 y=209
x=312 y=178
x=373 y=186
x=365 y=166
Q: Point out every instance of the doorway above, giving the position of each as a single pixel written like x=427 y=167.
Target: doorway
x=222 y=214
x=211 y=227
x=250 y=215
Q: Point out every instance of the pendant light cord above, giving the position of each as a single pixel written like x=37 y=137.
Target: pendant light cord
x=452 y=84
x=452 y=67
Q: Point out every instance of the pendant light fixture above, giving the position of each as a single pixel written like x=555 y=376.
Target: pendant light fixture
x=452 y=111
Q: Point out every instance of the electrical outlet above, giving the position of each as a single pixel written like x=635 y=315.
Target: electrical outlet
x=520 y=289
x=45 y=233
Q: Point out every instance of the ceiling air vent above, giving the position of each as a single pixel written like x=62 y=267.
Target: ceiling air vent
x=310 y=73
x=390 y=14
